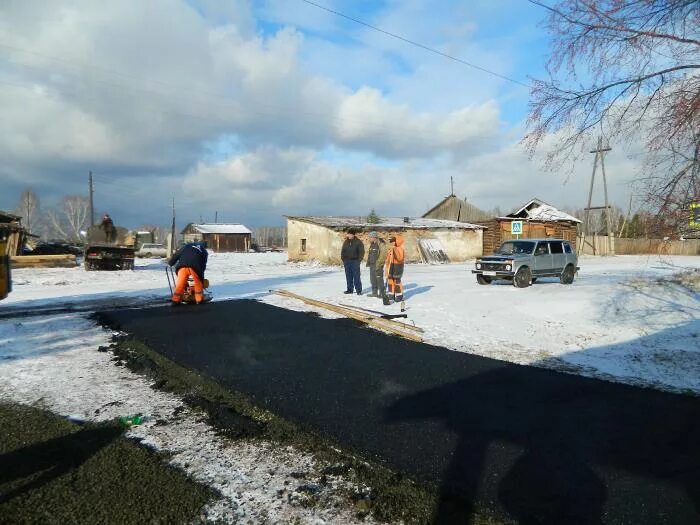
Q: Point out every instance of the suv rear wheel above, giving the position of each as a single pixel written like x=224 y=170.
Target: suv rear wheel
x=523 y=277
x=482 y=279
x=567 y=276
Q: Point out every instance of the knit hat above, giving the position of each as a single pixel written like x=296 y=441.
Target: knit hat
x=373 y=234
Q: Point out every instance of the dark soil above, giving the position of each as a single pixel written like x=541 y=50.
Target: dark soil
x=55 y=471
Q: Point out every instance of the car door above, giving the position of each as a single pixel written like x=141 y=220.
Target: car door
x=543 y=259
x=556 y=249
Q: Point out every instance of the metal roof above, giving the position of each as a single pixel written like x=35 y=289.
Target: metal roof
x=387 y=223
x=220 y=227
x=538 y=210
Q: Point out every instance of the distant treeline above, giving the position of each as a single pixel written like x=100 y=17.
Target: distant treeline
x=272 y=236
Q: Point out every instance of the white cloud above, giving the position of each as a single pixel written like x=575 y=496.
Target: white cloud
x=151 y=92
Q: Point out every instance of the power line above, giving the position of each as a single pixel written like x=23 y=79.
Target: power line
x=417 y=44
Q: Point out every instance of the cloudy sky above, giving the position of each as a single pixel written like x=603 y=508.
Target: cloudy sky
x=257 y=109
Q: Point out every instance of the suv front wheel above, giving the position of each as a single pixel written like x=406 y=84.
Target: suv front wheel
x=522 y=278
x=567 y=276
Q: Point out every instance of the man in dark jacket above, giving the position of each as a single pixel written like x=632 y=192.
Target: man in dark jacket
x=352 y=253
x=191 y=261
x=376 y=256
x=108 y=226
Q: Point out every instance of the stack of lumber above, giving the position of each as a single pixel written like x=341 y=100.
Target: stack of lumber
x=42 y=261
x=404 y=330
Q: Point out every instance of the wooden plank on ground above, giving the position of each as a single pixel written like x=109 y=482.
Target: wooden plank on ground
x=374 y=321
x=43 y=261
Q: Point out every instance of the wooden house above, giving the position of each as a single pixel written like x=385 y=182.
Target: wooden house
x=13 y=232
x=539 y=220
x=220 y=237
x=452 y=208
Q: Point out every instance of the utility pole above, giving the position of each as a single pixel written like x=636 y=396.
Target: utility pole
x=452 y=186
x=216 y=217
x=624 y=222
x=599 y=155
x=172 y=232
x=92 y=205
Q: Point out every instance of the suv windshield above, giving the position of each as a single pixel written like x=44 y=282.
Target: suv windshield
x=512 y=247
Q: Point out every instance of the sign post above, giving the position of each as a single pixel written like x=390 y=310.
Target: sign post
x=516 y=228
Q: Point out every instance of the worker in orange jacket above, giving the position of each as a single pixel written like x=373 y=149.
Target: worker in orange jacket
x=393 y=270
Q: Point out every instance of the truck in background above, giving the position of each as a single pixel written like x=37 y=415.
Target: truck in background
x=102 y=253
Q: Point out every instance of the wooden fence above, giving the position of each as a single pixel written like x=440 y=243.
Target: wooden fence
x=623 y=246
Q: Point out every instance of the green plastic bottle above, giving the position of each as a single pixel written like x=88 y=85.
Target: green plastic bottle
x=128 y=421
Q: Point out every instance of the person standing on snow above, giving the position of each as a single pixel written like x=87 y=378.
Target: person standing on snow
x=191 y=261
x=393 y=269
x=352 y=253
x=376 y=256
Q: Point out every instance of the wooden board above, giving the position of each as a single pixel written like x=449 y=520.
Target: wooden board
x=387 y=325
x=43 y=261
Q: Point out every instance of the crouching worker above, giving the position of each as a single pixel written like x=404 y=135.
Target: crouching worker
x=191 y=261
x=393 y=269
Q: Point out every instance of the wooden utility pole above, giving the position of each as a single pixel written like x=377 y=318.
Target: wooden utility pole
x=627 y=217
x=92 y=205
x=599 y=156
x=172 y=232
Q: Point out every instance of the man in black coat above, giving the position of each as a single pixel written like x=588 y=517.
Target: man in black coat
x=352 y=253
x=191 y=261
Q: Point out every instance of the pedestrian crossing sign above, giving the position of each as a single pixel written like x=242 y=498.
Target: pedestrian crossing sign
x=516 y=227
x=694 y=221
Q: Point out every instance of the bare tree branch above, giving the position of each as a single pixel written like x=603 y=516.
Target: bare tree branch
x=640 y=65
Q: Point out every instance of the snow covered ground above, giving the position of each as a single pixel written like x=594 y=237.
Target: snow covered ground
x=625 y=318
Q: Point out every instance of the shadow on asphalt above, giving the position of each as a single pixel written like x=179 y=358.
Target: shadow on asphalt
x=554 y=448
x=526 y=443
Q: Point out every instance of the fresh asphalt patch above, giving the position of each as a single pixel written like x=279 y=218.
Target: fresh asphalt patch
x=55 y=471
x=532 y=445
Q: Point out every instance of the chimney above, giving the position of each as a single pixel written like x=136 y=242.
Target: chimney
x=406 y=220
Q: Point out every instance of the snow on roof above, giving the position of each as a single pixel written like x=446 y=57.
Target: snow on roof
x=387 y=223
x=221 y=227
x=538 y=210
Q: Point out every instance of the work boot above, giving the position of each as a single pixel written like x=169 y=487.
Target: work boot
x=386 y=301
x=346 y=292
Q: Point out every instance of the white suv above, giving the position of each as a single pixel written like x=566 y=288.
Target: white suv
x=152 y=250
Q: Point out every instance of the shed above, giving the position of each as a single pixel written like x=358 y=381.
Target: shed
x=539 y=220
x=320 y=238
x=14 y=233
x=220 y=237
x=452 y=208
